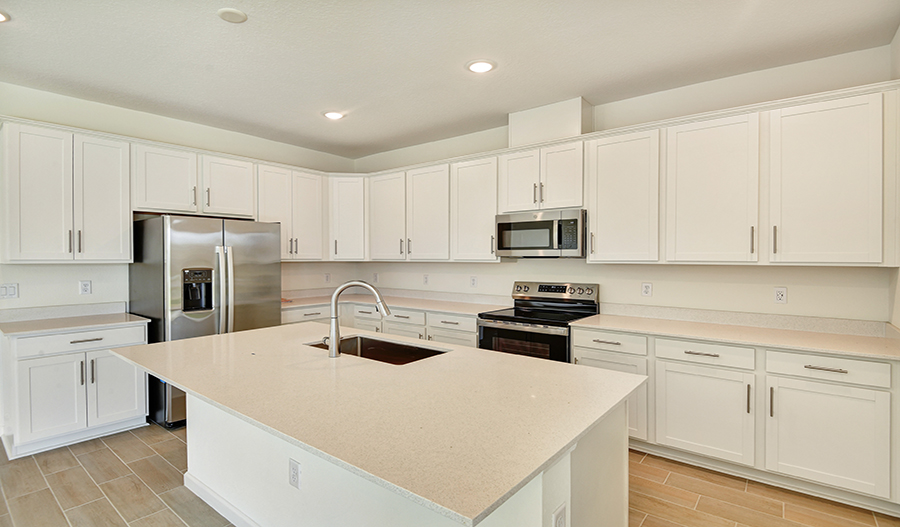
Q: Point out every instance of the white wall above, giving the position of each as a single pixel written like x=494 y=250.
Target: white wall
x=57 y=285
x=895 y=55
x=311 y=275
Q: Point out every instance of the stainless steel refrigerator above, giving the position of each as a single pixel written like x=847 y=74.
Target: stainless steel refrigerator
x=202 y=276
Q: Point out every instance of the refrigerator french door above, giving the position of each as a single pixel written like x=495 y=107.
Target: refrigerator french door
x=202 y=276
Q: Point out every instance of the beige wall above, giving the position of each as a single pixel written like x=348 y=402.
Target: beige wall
x=895 y=55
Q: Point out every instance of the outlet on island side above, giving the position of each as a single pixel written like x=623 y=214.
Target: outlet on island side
x=559 y=517
x=781 y=295
x=294 y=473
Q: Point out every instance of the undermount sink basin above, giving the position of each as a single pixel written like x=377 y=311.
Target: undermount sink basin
x=381 y=350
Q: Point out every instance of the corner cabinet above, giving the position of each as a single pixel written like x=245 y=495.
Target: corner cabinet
x=293 y=199
x=66 y=196
x=473 y=209
x=347 y=198
x=543 y=178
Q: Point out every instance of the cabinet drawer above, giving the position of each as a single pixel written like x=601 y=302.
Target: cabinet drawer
x=706 y=353
x=301 y=314
x=851 y=371
x=443 y=320
x=407 y=316
x=366 y=311
x=609 y=341
x=79 y=341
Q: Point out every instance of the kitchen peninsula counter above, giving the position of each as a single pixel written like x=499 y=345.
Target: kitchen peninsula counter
x=459 y=433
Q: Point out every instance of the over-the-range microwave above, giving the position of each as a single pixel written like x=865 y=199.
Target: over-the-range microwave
x=542 y=234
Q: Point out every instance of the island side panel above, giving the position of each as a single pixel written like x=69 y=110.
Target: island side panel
x=600 y=473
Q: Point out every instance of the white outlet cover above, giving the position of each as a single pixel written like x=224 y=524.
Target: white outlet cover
x=375 y=278
x=559 y=517
x=646 y=289
x=84 y=287
x=425 y=279
x=781 y=295
x=473 y=281
x=327 y=278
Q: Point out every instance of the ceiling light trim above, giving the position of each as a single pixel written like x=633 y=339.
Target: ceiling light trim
x=230 y=14
x=481 y=66
x=4 y=17
x=334 y=116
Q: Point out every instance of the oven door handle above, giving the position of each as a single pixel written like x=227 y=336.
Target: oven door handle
x=515 y=326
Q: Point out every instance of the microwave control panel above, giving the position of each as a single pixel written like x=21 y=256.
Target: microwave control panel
x=568 y=234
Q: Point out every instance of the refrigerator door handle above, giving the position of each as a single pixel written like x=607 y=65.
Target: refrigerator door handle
x=229 y=257
x=223 y=304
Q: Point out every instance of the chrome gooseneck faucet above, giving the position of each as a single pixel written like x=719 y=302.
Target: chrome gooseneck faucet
x=334 y=334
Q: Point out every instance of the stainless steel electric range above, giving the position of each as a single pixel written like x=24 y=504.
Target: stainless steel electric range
x=538 y=323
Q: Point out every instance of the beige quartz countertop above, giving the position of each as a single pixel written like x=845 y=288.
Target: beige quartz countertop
x=458 y=433
x=60 y=325
x=857 y=346
x=462 y=308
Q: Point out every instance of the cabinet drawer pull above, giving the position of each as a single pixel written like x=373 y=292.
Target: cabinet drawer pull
x=93 y=371
x=701 y=354
x=823 y=368
x=400 y=316
x=96 y=339
x=365 y=312
x=449 y=322
x=772 y=402
x=748 y=398
x=311 y=314
x=612 y=342
x=82 y=373
x=752 y=229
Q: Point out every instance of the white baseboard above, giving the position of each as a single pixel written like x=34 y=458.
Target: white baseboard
x=218 y=503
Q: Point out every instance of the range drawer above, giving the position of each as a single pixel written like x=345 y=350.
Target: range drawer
x=79 y=341
x=853 y=371
x=301 y=314
x=407 y=316
x=443 y=320
x=609 y=341
x=706 y=353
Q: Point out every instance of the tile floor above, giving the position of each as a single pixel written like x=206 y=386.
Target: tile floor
x=128 y=479
x=665 y=493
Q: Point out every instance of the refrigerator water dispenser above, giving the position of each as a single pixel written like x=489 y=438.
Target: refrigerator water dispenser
x=197 y=290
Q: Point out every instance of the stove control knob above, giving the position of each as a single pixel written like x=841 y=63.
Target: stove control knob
x=589 y=291
x=526 y=289
x=518 y=288
x=571 y=290
x=580 y=291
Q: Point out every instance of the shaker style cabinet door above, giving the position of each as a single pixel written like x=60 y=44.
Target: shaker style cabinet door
x=826 y=182
x=623 y=201
x=562 y=176
x=348 y=218
x=712 y=190
x=428 y=213
x=473 y=210
x=115 y=388
x=51 y=396
x=637 y=402
x=518 y=181
x=229 y=187
x=102 y=200
x=307 y=212
x=387 y=217
x=275 y=204
x=164 y=179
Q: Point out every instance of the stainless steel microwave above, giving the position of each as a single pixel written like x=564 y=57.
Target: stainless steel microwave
x=542 y=234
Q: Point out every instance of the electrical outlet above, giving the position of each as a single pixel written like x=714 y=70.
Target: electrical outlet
x=473 y=281
x=294 y=474
x=374 y=278
x=425 y=279
x=9 y=291
x=646 y=289
x=781 y=295
x=84 y=287
x=559 y=517
x=327 y=278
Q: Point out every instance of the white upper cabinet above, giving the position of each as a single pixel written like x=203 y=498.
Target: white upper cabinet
x=543 y=178
x=623 y=198
x=276 y=204
x=712 y=186
x=347 y=196
x=387 y=217
x=67 y=196
x=293 y=199
x=428 y=213
x=826 y=182
x=473 y=207
x=229 y=187
x=164 y=179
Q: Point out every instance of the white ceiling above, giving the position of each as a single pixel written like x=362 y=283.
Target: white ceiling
x=397 y=67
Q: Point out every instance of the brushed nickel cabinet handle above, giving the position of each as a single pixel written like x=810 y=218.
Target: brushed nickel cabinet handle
x=401 y=245
x=291 y=246
x=70 y=241
x=752 y=229
x=614 y=343
x=542 y=193
x=592 y=243
x=365 y=312
x=96 y=339
x=449 y=322
x=335 y=247
x=576 y=360
x=377 y=329
x=534 y=193
x=748 y=398
x=311 y=314
x=80 y=249
x=207 y=196
x=408 y=246
x=400 y=316
x=93 y=371
x=194 y=192
x=772 y=402
x=296 y=245
x=701 y=354
x=421 y=336
x=82 y=373
x=492 y=244
x=823 y=368
x=430 y=337
x=775 y=239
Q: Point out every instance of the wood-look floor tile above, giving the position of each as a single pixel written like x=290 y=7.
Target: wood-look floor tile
x=180 y=433
x=737 y=497
x=695 y=472
x=811 y=502
x=164 y=518
x=635 y=456
x=21 y=476
x=157 y=473
x=817 y=518
x=86 y=446
x=132 y=498
x=664 y=492
x=95 y=514
x=38 y=509
x=174 y=451
x=743 y=515
x=152 y=433
x=886 y=521
x=647 y=472
x=55 y=460
x=103 y=465
x=194 y=511
x=128 y=447
x=653 y=521
x=635 y=518
x=6 y=521
x=73 y=487
x=675 y=513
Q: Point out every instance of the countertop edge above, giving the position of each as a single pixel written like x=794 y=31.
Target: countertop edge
x=127 y=320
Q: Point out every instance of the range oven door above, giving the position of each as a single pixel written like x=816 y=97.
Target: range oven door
x=522 y=339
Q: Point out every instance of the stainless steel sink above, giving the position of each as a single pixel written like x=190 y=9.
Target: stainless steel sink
x=381 y=350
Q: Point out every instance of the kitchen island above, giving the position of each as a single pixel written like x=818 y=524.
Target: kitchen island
x=469 y=436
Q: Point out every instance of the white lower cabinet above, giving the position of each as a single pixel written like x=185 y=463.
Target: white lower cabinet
x=637 y=402
x=449 y=336
x=367 y=324
x=406 y=330
x=307 y=314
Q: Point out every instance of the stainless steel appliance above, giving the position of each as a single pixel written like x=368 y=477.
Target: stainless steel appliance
x=196 y=276
x=538 y=323
x=545 y=234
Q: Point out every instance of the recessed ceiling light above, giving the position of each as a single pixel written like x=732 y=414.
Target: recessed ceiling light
x=3 y=17
x=234 y=16
x=334 y=116
x=480 y=66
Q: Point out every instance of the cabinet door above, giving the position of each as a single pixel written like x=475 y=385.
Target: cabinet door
x=637 y=402
x=387 y=217
x=407 y=330
x=836 y=435
x=623 y=202
x=116 y=389
x=348 y=227
x=518 y=180
x=38 y=190
x=705 y=410
x=102 y=200
x=164 y=179
x=229 y=187
x=712 y=190
x=826 y=181
x=367 y=324
x=449 y=336
x=307 y=206
x=428 y=213
x=51 y=396
x=562 y=176
x=473 y=208
x=275 y=204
